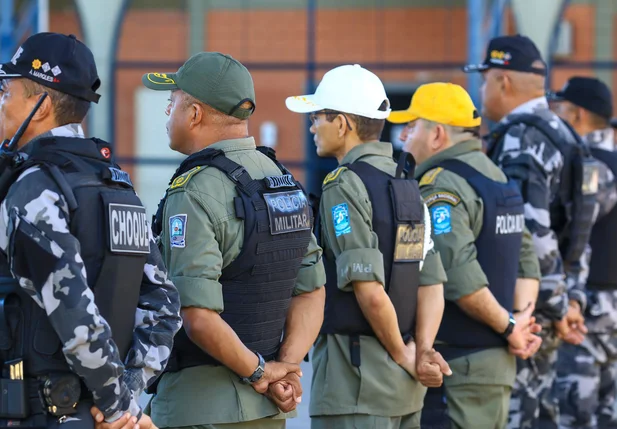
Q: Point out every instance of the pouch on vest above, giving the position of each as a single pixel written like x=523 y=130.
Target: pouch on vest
x=573 y=210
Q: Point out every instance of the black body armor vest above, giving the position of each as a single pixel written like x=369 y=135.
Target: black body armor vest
x=498 y=247
x=258 y=285
x=109 y=221
x=398 y=221
x=572 y=211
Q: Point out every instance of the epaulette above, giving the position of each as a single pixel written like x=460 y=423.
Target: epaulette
x=333 y=175
x=184 y=178
x=429 y=177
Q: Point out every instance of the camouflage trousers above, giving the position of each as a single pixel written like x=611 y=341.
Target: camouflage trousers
x=586 y=380
x=534 y=403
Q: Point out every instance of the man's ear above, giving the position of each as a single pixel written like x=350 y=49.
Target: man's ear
x=44 y=111
x=196 y=115
x=436 y=137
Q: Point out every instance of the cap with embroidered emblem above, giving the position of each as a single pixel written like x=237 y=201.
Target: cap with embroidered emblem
x=517 y=53
x=56 y=61
x=213 y=78
x=444 y=103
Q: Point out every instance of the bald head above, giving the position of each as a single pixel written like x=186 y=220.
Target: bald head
x=530 y=84
x=504 y=90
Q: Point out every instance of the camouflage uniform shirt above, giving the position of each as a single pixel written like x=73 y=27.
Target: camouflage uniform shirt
x=35 y=204
x=602 y=311
x=529 y=158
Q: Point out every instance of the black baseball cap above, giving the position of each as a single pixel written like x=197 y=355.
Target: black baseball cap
x=587 y=92
x=516 y=53
x=57 y=61
x=215 y=79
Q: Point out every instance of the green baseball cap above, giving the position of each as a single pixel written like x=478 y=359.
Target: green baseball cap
x=213 y=78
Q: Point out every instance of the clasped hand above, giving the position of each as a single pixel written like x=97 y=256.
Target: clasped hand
x=523 y=341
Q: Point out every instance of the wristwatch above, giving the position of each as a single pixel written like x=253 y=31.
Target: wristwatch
x=258 y=373
x=510 y=328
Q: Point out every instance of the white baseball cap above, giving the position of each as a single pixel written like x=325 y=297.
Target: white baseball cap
x=346 y=89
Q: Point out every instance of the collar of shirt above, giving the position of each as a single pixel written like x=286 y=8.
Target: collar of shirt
x=233 y=145
x=602 y=139
x=68 y=130
x=452 y=152
x=365 y=149
x=530 y=106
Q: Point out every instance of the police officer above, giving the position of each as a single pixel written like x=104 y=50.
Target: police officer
x=479 y=231
x=235 y=230
x=94 y=318
x=514 y=80
x=384 y=280
x=587 y=373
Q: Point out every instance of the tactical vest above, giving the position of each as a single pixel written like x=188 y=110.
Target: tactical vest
x=572 y=212
x=498 y=247
x=109 y=221
x=603 y=265
x=398 y=221
x=258 y=285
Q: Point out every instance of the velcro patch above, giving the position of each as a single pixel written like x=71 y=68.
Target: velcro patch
x=442 y=197
x=333 y=175
x=183 y=179
x=429 y=176
x=409 y=245
x=128 y=229
x=177 y=230
x=120 y=176
x=284 y=181
x=288 y=212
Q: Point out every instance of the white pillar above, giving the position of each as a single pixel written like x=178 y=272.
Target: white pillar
x=99 y=20
x=536 y=19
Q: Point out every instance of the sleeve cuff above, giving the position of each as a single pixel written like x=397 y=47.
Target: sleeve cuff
x=198 y=292
x=464 y=280
x=529 y=271
x=310 y=278
x=363 y=265
x=134 y=381
x=432 y=272
x=580 y=297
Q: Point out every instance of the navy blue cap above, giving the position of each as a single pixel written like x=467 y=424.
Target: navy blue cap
x=57 y=61
x=516 y=53
x=587 y=92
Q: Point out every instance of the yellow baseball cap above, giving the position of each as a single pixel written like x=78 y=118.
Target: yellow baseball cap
x=444 y=103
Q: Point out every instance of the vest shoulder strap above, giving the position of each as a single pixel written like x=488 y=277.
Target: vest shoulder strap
x=541 y=125
x=460 y=168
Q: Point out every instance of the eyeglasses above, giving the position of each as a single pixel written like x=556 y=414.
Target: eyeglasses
x=313 y=116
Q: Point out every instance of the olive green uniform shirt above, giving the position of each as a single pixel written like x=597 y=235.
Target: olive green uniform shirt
x=457 y=247
x=380 y=386
x=213 y=239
